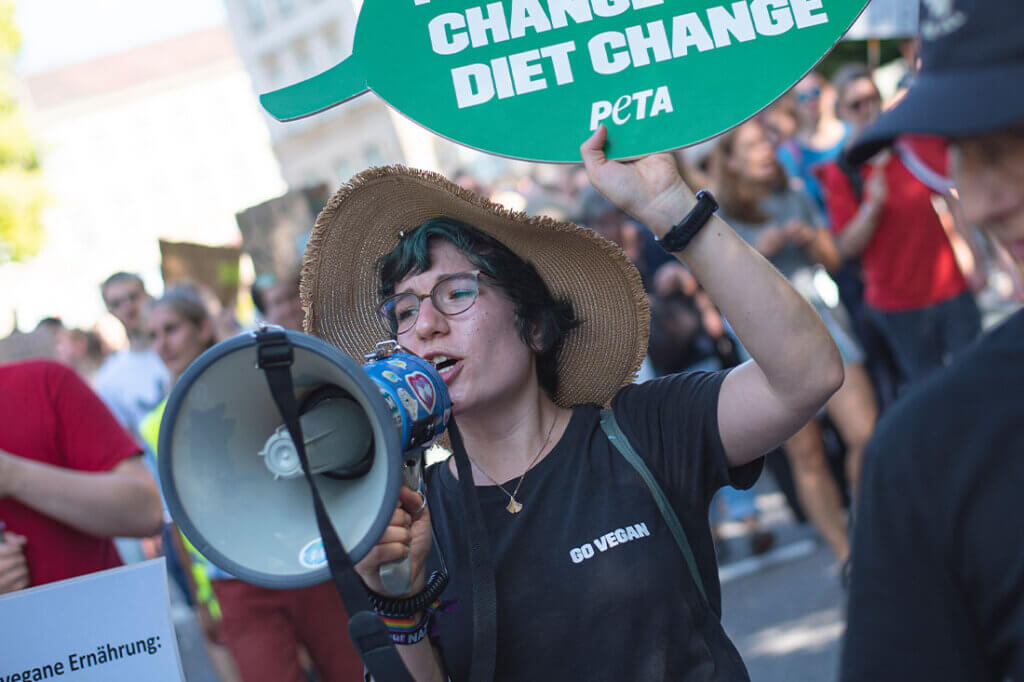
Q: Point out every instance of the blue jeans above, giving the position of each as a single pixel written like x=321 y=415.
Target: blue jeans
x=926 y=338
x=739 y=505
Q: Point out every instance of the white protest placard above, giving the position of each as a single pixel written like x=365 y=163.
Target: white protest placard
x=886 y=19
x=111 y=626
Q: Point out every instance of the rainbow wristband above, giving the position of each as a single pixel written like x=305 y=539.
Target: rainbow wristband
x=409 y=630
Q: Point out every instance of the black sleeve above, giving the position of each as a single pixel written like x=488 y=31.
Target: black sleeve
x=672 y=422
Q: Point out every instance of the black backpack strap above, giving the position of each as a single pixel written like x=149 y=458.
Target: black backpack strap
x=625 y=448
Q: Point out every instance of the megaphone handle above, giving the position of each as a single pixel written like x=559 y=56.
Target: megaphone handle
x=396 y=576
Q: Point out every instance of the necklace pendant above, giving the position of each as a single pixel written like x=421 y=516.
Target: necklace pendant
x=513 y=506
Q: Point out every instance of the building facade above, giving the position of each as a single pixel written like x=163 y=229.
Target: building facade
x=285 y=41
x=160 y=141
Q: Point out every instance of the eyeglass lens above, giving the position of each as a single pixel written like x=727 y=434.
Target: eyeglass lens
x=451 y=295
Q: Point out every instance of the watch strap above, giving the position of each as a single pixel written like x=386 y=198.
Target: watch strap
x=680 y=235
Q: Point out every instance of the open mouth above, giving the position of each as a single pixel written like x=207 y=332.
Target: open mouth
x=445 y=366
x=443 y=362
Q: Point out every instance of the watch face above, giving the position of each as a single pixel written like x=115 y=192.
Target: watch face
x=705 y=196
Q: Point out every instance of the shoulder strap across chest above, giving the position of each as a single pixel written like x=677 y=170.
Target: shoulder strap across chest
x=618 y=439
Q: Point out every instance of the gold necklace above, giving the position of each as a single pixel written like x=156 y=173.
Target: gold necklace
x=514 y=506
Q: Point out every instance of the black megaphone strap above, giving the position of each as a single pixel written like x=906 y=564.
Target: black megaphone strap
x=275 y=356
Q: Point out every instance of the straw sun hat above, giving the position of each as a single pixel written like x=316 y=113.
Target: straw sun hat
x=365 y=219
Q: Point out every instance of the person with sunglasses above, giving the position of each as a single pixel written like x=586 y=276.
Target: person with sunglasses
x=819 y=137
x=915 y=293
x=536 y=325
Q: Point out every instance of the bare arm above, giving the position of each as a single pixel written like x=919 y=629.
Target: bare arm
x=857 y=234
x=423 y=661
x=122 y=502
x=796 y=365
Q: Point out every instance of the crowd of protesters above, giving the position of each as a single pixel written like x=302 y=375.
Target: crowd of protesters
x=881 y=250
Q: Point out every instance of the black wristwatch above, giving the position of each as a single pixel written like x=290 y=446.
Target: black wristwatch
x=680 y=235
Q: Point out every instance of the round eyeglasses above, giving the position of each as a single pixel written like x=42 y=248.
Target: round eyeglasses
x=451 y=295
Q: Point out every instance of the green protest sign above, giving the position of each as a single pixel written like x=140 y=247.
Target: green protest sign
x=531 y=78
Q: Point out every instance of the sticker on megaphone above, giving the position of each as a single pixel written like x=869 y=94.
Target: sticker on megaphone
x=337 y=437
x=530 y=80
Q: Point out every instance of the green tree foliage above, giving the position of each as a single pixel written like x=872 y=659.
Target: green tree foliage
x=22 y=196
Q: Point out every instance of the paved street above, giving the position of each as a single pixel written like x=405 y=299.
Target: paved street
x=784 y=610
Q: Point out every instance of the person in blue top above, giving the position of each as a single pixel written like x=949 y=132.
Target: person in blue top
x=819 y=138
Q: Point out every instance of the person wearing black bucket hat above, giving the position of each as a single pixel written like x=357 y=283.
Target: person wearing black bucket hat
x=937 y=585
x=600 y=557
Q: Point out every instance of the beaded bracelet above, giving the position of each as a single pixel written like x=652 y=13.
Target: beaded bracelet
x=406 y=630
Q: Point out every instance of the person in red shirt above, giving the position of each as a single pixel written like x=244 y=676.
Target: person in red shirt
x=915 y=292
x=70 y=478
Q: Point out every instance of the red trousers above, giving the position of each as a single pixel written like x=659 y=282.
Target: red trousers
x=263 y=629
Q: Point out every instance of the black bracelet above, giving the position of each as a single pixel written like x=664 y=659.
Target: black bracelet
x=392 y=606
x=680 y=235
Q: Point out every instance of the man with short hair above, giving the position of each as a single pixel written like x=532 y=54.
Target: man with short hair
x=132 y=382
x=937 y=587
x=277 y=300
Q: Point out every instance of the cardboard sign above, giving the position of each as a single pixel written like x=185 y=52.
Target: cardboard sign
x=274 y=233
x=111 y=626
x=214 y=267
x=531 y=79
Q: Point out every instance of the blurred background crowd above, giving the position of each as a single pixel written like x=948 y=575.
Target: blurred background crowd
x=126 y=270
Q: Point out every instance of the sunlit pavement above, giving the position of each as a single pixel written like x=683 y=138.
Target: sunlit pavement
x=784 y=610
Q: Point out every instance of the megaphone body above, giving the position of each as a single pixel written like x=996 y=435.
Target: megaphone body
x=231 y=474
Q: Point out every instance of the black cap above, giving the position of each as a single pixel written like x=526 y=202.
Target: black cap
x=971 y=79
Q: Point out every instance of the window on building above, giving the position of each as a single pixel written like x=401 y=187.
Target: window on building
x=303 y=56
x=256 y=14
x=332 y=36
x=271 y=67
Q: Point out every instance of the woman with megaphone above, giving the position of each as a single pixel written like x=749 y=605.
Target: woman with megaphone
x=598 y=550
x=272 y=635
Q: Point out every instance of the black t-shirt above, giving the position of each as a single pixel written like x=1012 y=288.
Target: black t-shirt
x=590 y=582
x=937 y=587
